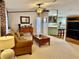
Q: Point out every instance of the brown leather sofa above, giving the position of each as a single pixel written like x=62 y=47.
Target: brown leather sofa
x=22 y=46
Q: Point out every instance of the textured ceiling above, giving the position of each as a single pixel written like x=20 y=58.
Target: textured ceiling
x=65 y=7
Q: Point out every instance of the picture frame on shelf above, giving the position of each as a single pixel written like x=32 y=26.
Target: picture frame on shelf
x=25 y=19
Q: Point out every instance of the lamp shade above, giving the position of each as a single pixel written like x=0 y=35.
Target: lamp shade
x=6 y=42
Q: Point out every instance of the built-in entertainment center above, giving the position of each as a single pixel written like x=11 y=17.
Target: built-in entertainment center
x=73 y=27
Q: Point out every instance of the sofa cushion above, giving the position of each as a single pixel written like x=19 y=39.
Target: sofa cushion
x=27 y=34
x=29 y=37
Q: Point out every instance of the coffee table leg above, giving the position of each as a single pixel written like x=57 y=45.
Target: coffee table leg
x=49 y=42
x=39 y=44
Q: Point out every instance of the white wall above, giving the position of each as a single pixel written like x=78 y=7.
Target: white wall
x=14 y=19
x=0 y=25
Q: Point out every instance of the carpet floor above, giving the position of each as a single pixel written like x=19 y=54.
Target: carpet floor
x=58 y=49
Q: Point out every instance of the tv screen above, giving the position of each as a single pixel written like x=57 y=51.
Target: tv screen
x=75 y=18
x=73 y=25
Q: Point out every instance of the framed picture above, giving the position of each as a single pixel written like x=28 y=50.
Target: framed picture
x=24 y=19
x=52 y=19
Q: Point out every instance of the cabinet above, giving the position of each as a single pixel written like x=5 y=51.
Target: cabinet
x=26 y=29
x=73 y=27
x=52 y=31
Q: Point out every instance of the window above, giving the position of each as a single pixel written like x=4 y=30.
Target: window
x=38 y=25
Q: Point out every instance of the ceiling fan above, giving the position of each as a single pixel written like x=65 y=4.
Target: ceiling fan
x=40 y=9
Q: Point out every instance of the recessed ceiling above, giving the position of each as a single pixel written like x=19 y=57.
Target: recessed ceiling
x=65 y=7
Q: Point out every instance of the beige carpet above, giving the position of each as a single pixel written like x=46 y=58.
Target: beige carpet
x=58 y=49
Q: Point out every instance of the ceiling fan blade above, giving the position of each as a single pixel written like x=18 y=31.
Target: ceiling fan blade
x=46 y=10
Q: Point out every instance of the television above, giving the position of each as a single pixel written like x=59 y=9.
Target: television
x=73 y=25
x=74 y=18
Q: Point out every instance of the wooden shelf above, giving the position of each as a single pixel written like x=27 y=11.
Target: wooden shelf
x=26 y=29
x=72 y=40
x=72 y=20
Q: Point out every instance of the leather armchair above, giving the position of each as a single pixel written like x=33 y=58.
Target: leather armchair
x=23 y=47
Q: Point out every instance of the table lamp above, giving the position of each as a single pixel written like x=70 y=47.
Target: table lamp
x=6 y=42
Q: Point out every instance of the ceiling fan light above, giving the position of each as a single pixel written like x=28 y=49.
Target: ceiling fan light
x=39 y=10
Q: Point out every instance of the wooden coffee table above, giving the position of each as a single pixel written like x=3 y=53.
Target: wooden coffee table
x=41 y=40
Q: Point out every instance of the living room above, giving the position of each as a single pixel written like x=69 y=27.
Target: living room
x=19 y=18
